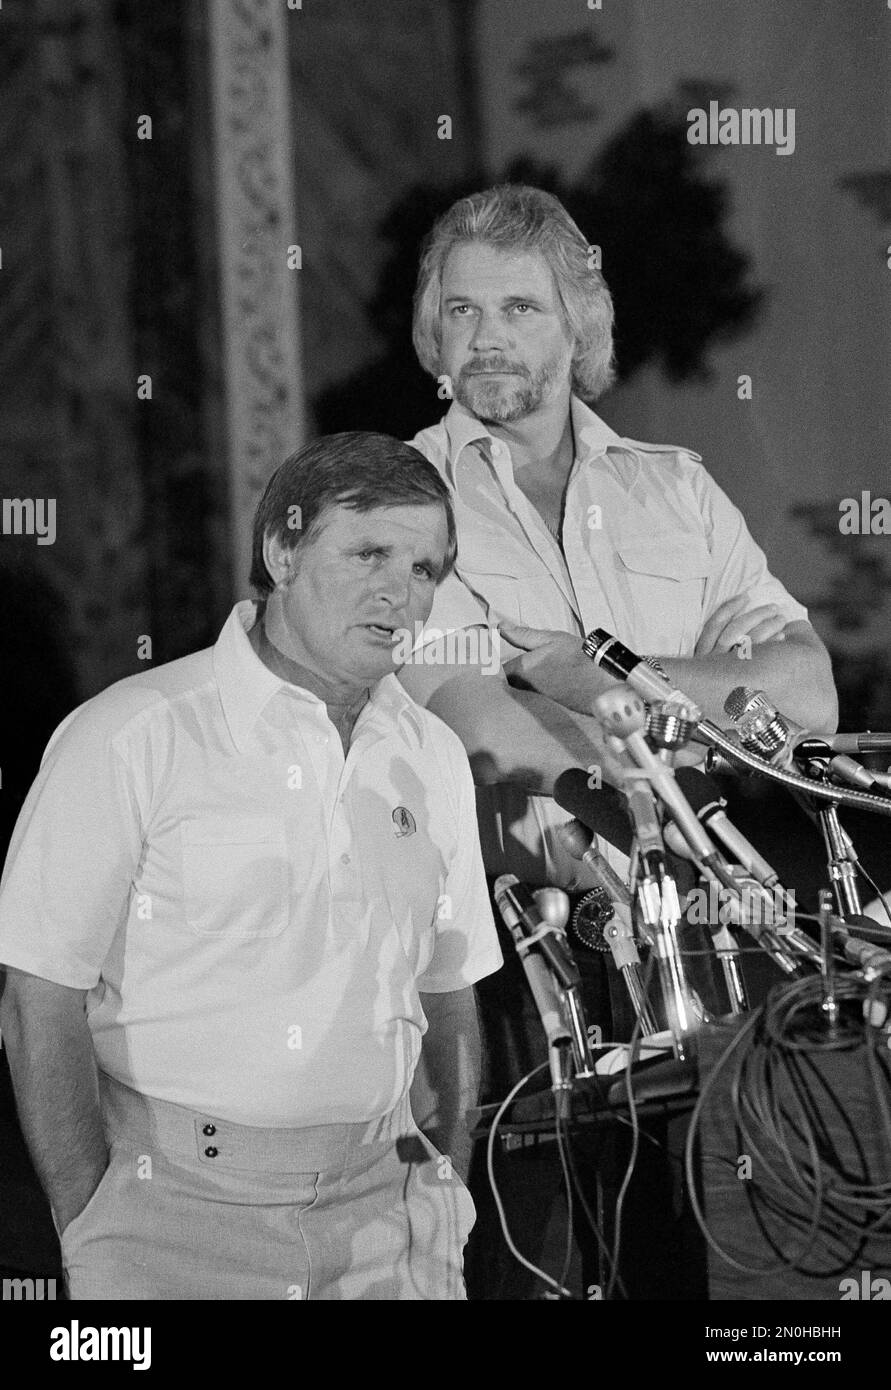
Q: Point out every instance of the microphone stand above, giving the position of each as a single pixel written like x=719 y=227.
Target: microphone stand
x=842 y=864
x=661 y=912
x=553 y=904
x=774 y=741
x=670 y=726
x=617 y=931
x=558 y=1001
x=657 y=901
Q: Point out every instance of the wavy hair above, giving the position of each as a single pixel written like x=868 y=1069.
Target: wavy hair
x=515 y=217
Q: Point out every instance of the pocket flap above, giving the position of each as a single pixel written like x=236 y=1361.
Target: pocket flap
x=667 y=559
x=483 y=564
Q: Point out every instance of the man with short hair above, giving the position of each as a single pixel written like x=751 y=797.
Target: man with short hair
x=243 y=888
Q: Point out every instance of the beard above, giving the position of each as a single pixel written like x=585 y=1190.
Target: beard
x=502 y=400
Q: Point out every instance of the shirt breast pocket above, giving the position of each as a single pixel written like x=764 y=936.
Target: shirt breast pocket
x=498 y=589
x=664 y=581
x=236 y=879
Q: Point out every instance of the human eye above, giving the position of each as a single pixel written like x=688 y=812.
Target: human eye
x=424 y=569
x=523 y=308
x=460 y=310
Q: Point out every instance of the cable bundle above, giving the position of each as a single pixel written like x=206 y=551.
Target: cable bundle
x=803 y=1188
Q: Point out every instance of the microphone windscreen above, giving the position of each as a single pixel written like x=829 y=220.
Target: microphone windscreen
x=699 y=789
x=602 y=811
x=742 y=700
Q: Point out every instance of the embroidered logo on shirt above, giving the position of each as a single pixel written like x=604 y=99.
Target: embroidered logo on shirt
x=404 y=822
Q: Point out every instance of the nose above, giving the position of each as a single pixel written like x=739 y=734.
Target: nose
x=392 y=586
x=490 y=333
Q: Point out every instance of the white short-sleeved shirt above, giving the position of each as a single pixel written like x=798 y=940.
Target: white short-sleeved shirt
x=253 y=914
x=651 y=547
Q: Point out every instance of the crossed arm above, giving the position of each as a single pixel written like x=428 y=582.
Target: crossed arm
x=786 y=660
x=530 y=721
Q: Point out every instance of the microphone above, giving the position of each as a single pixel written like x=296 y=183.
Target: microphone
x=619 y=932
x=519 y=911
x=774 y=736
x=707 y=802
x=705 y=798
x=862 y=954
x=607 y=651
x=603 y=812
x=581 y=844
x=865 y=742
x=623 y=714
x=847 y=770
x=515 y=899
x=743 y=702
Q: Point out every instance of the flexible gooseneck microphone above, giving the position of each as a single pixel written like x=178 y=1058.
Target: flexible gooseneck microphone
x=607 y=651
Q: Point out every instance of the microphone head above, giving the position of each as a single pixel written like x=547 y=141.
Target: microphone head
x=700 y=790
x=762 y=729
x=504 y=884
x=553 y=904
x=602 y=811
x=671 y=724
x=596 y=641
x=676 y=842
x=741 y=699
x=575 y=838
x=621 y=711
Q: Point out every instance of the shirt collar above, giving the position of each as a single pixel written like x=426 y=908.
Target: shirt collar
x=593 y=436
x=246 y=685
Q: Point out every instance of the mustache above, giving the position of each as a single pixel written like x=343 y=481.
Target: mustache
x=497 y=364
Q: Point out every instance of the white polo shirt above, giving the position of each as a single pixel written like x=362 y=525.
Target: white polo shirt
x=253 y=914
x=651 y=547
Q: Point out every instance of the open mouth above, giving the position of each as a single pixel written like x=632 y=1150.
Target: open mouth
x=380 y=629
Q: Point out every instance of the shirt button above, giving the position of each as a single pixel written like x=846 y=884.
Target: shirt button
x=344 y=859
x=211 y=1152
x=209 y=1130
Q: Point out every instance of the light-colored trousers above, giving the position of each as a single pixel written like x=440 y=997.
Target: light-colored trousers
x=193 y=1207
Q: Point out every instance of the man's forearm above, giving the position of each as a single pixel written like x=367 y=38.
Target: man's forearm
x=520 y=736
x=446 y=1083
x=796 y=675
x=53 y=1071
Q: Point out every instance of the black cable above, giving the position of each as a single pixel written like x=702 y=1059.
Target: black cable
x=769 y=1057
x=875 y=888
x=589 y=1215
x=633 y=1052
x=567 y=1180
